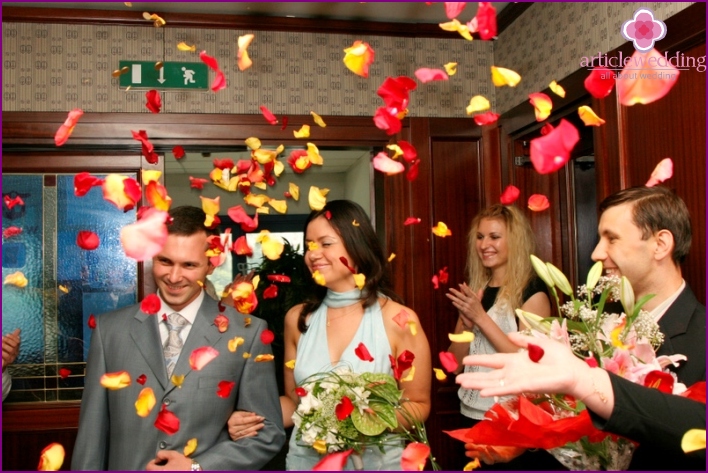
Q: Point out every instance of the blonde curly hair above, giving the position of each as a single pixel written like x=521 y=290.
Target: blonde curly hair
x=521 y=244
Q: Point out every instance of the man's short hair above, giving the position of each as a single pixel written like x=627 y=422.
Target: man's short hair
x=188 y=220
x=654 y=209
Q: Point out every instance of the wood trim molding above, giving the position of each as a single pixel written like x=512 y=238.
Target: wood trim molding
x=134 y=17
x=40 y=417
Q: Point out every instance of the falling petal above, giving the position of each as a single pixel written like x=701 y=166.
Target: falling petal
x=145 y=238
x=510 y=194
x=141 y=379
x=146 y=401
x=191 y=447
x=267 y=337
x=268 y=115
x=473 y=465
x=451 y=68
x=253 y=143
x=663 y=171
x=64 y=373
x=64 y=289
x=484 y=22
x=549 y=153
x=440 y=374
x=238 y=215
x=290 y=364
x=317 y=198
x=546 y=129
x=413 y=327
x=312 y=246
x=279 y=206
x=542 y=105
x=10 y=232
x=10 y=203
x=197 y=182
x=654 y=79
x=455 y=25
x=51 y=457
x=363 y=353
x=464 y=337
x=117 y=380
x=178 y=152
x=318 y=119
x=333 y=461
x=219 y=82
x=359 y=280
x=588 y=116
x=91 y=322
x=177 y=380
x=502 y=77
x=448 y=361
x=234 y=343
x=693 y=440
x=16 y=279
x=435 y=281
x=246 y=356
x=486 y=118
x=149 y=175
x=156 y=195
x=401 y=318
x=151 y=304
x=241 y=248
x=243 y=61
x=200 y=357
x=358 y=57
x=557 y=89
x=222 y=323
x=182 y=46
x=224 y=388
x=87 y=240
x=391 y=256
x=319 y=279
x=65 y=130
x=538 y=203
x=426 y=75
x=83 y=182
x=600 y=82
x=453 y=9
x=264 y=358
x=122 y=191
x=535 y=352
x=314 y=154
x=415 y=456
x=412 y=221
x=478 y=103
x=441 y=230
x=409 y=376
x=387 y=165
x=167 y=421
x=154 y=101
x=303 y=132
x=272 y=248
x=386 y=121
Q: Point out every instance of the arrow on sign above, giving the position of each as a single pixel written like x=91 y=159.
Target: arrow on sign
x=162 y=79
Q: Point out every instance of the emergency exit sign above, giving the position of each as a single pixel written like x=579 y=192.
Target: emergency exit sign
x=172 y=75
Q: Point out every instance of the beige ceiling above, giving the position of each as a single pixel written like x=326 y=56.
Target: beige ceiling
x=399 y=12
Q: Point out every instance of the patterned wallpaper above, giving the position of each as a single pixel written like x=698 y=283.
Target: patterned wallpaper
x=548 y=40
x=57 y=67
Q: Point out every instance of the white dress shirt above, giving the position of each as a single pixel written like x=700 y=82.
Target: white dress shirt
x=661 y=309
x=189 y=313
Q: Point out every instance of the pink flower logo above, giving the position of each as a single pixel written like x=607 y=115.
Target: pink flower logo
x=643 y=30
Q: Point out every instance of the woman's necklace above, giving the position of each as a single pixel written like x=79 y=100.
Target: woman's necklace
x=351 y=310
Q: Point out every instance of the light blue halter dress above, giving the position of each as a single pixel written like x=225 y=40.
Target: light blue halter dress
x=313 y=357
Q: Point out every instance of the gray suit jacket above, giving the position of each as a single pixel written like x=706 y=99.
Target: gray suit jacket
x=111 y=434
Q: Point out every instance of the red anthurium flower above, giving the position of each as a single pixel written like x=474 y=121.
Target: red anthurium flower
x=535 y=352
x=51 y=457
x=141 y=379
x=271 y=292
x=485 y=22
x=412 y=173
x=279 y=278
x=64 y=373
x=656 y=379
x=222 y=323
x=387 y=121
x=145 y=238
x=412 y=221
x=224 y=388
x=663 y=171
x=510 y=194
x=655 y=78
x=443 y=275
x=91 y=322
x=65 y=130
x=11 y=232
x=167 y=421
x=409 y=152
x=600 y=82
x=345 y=262
x=453 y=9
x=436 y=281
x=300 y=391
x=546 y=129
x=154 y=101
x=363 y=353
x=268 y=115
x=344 y=408
x=448 y=361
x=550 y=153
x=151 y=304
x=486 y=118
x=178 y=152
x=395 y=92
x=83 y=182
x=333 y=461
x=238 y=215
x=241 y=247
x=538 y=203
x=267 y=337
x=197 y=182
x=87 y=240
x=200 y=357
x=414 y=456
x=12 y=202
x=426 y=75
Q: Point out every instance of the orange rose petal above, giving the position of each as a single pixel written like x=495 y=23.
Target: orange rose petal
x=588 y=116
x=200 y=357
x=122 y=191
x=358 y=58
x=441 y=230
x=414 y=456
x=538 y=203
x=222 y=323
x=654 y=79
x=146 y=401
x=542 y=105
x=157 y=197
x=51 y=457
x=243 y=61
x=116 y=380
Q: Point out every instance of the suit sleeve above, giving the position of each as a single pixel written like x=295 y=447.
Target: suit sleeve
x=6 y=383
x=90 y=450
x=656 y=420
x=257 y=392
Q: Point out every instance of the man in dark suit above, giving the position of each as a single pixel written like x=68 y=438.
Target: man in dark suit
x=113 y=435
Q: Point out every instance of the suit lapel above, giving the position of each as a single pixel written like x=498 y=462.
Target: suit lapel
x=675 y=320
x=146 y=336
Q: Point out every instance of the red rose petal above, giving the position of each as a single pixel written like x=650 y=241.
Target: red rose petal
x=363 y=353
x=154 y=101
x=167 y=421
x=279 y=278
x=412 y=221
x=535 y=352
x=91 y=322
x=344 y=409
x=538 y=203
x=201 y=356
x=333 y=461
x=224 y=388
x=64 y=373
x=267 y=337
x=151 y=304
x=271 y=292
x=510 y=194
x=600 y=82
x=300 y=391
x=268 y=115
x=222 y=323
x=141 y=379
x=87 y=240
x=549 y=153
x=178 y=152
x=448 y=361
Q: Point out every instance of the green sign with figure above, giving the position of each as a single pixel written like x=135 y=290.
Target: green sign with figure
x=172 y=75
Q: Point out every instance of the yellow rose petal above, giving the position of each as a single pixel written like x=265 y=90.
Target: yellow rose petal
x=694 y=439
x=312 y=246
x=318 y=119
x=263 y=357
x=190 y=447
x=186 y=48
x=391 y=256
x=246 y=323
x=472 y=465
x=589 y=117
x=319 y=279
x=280 y=206
x=115 y=381
x=409 y=376
x=359 y=280
x=234 y=343
x=451 y=68
x=440 y=374
x=253 y=143
x=557 y=89
x=502 y=76
x=320 y=446
x=441 y=230
x=413 y=327
x=317 y=198
x=478 y=103
x=149 y=175
x=290 y=364
x=16 y=279
x=294 y=190
x=177 y=380
x=464 y=337
x=303 y=132
x=146 y=401
x=246 y=355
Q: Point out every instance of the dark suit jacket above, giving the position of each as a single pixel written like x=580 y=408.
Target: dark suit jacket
x=111 y=434
x=657 y=421
x=684 y=329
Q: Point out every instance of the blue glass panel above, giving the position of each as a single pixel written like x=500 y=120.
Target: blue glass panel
x=100 y=280
x=23 y=307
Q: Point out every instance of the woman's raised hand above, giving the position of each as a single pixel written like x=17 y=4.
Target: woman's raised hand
x=468 y=303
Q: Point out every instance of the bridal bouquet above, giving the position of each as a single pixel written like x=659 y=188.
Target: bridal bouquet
x=343 y=411
x=621 y=341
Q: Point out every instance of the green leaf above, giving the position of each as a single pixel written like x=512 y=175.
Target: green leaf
x=383 y=386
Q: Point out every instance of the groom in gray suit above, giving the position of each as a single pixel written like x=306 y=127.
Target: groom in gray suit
x=113 y=434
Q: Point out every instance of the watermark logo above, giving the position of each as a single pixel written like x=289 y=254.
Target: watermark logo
x=643 y=30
